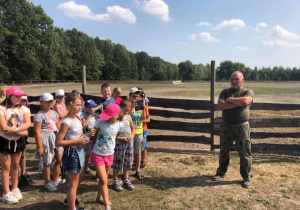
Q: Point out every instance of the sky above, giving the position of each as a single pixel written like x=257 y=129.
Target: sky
x=261 y=33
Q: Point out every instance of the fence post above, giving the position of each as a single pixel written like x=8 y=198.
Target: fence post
x=83 y=80
x=212 y=104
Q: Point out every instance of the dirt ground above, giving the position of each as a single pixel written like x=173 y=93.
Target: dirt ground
x=178 y=174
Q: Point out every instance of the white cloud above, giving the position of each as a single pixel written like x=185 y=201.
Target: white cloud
x=203 y=24
x=280 y=32
x=241 y=48
x=156 y=8
x=234 y=24
x=262 y=25
x=113 y=13
x=278 y=42
x=205 y=37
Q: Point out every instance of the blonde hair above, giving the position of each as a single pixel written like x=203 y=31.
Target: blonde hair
x=117 y=90
x=3 y=88
x=71 y=99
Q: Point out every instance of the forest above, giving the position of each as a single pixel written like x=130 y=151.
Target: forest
x=32 y=48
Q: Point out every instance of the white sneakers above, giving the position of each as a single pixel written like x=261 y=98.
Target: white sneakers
x=59 y=181
x=50 y=186
x=12 y=197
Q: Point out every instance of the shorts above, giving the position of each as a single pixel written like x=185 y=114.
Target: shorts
x=88 y=148
x=7 y=147
x=123 y=157
x=99 y=160
x=70 y=160
x=139 y=144
x=145 y=133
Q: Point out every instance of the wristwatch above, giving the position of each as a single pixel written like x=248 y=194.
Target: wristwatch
x=17 y=131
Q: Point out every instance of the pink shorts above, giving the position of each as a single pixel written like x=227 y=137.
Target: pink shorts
x=99 y=160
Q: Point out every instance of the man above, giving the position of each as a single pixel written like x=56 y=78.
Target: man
x=235 y=103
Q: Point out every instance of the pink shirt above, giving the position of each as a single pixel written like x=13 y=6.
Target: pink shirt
x=62 y=107
x=118 y=100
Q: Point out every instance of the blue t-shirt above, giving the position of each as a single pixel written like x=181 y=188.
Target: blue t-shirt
x=105 y=102
x=106 y=138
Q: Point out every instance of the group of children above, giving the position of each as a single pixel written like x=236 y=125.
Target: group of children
x=71 y=134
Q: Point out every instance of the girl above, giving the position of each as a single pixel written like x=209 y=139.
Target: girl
x=73 y=156
x=102 y=156
x=124 y=148
x=12 y=142
x=24 y=179
x=46 y=125
x=60 y=106
x=116 y=95
x=2 y=92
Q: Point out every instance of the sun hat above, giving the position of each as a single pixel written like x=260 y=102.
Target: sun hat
x=14 y=90
x=46 y=97
x=24 y=97
x=134 y=90
x=59 y=93
x=110 y=111
x=90 y=104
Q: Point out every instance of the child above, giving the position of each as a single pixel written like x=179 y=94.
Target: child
x=137 y=117
x=24 y=179
x=116 y=95
x=124 y=148
x=2 y=92
x=89 y=119
x=73 y=156
x=102 y=156
x=106 y=99
x=145 y=129
x=46 y=126
x=60 y=106
x=14 y=122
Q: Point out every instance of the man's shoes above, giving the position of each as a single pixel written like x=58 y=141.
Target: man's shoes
x=218 y=177
x=247 y=182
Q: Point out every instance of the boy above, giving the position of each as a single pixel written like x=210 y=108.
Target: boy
x=106 y=99
x=137 y=117
x=89 y=119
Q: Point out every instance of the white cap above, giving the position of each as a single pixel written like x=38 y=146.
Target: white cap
x=46 y=97
x=134 y=90
x=59 y=92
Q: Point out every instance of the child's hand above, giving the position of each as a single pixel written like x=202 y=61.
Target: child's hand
x=40 y=151
x=93 y=131
x=23 y=133
x=82 y=141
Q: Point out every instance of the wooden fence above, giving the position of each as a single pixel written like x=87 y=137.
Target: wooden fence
x=195 y=116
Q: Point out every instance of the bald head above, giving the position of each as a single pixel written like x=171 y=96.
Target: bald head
x=237 y=80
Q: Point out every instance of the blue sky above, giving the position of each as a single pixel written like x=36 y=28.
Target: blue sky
x=258 y=33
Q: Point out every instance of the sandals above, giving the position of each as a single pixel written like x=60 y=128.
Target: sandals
x=139 y=175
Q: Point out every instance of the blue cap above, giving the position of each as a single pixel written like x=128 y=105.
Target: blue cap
x=90 y=104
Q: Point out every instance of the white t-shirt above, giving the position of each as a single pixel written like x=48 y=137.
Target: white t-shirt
x=106 y=138
x=74 y=128
x=14 y=118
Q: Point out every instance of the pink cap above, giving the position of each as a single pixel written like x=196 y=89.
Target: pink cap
x=14 y=90
x=110 y=111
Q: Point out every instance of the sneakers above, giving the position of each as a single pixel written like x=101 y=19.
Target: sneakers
x=218 y=177
x=59 y=181
x=9 y=198
x=117 y=186
x=50 y=186
x=101 y=201
x=17 y=193
x=127 y=184
x=107 y=208
x=90 y=172
x=143 y=165
x=77 y=202
x=247 y=182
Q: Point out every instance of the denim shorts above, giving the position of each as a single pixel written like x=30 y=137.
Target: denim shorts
x=70 y=160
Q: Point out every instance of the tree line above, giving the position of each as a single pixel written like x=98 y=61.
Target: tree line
x=32 y=48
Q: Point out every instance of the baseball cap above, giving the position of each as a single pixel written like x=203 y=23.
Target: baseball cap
x=24 y=97
x=90 y=104
x=110 y=111
x=46 y=97
x=59 y=92
x=14 y=90
x=134 y=90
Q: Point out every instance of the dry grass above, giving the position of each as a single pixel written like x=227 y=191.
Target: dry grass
x=178 y=176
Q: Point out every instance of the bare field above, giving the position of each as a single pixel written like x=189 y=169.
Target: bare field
x=178 y=175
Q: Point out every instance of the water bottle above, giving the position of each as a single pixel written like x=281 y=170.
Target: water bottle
x=41 y=163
